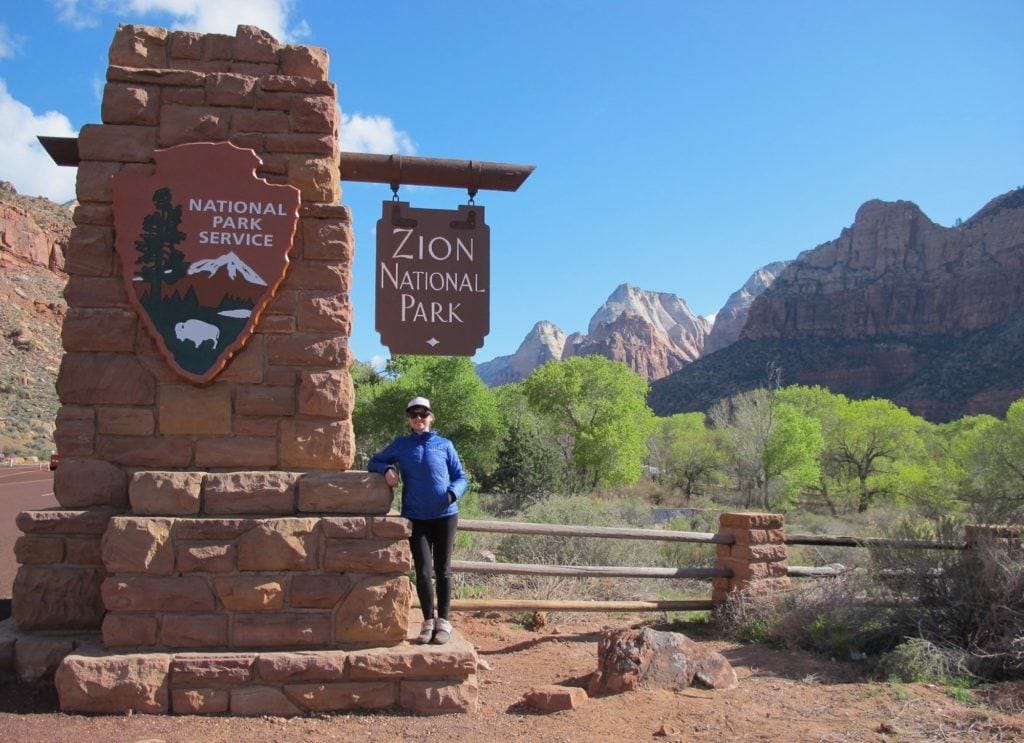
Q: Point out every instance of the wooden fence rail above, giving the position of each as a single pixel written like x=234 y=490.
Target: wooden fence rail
x=588 y=571
x=608 y=532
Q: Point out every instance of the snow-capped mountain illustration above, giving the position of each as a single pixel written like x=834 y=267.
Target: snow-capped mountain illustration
x=232 y=263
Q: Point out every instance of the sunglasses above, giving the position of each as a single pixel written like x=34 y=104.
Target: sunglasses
x=422 y=415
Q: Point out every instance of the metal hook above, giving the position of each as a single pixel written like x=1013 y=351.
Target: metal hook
x=396 y=181
x=475 y=171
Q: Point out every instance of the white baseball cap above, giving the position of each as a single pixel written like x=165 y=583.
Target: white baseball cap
x=419 y=402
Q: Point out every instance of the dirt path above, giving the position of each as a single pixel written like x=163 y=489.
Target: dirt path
x=781 y=696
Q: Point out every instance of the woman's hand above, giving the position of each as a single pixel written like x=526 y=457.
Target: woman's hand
x=391 y=477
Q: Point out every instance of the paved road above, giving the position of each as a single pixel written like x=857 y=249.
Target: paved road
x=22 y=488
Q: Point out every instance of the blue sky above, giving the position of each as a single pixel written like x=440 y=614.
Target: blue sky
x=679 y=145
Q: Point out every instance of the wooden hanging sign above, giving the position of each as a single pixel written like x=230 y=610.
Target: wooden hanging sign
x=433 y=279
x=203 y=244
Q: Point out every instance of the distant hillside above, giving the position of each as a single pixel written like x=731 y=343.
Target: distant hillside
x=33 y=239
x=897 y=306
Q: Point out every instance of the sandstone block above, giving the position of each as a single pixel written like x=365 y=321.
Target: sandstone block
x=723 y=550
x=183 y=96
x=212 y=670
x=317 y=178
x=307 y=349
x=185 y=45
x=93 y=184
x=194 y=630
x=309 y=665
x=555 y=698
x=84 y=551
x=315 y=114
x=226 y=89
x=280 y=630
x=260 y=400
x=457 y=659
x=206 y=558
x=344 y=492
x=59 y=521
x=375 y=610
x=259 y=121
x=327 y=394
x=125 y=421
x=139 y=46
x=114 y=684
x=261 y=427
x=218 y=46
x=36 y=657
x=98 y=214
x=130 y=104
x=104 y=330
x=117 y=142
x=157 y=593
x=90 y=252
x=134 y=544
x=344 y=527
x=199 y=701
x=333 y=697
x=276 y=324
x=438 y=697
x=237 y=451
x=253 y=44
x=751 y=520
x=760 y=552
x=317 y=444
x=755 y=536
x=312 y=144
x=212 y=529
x=185 y=409
x=129 y=630
x=95 y=291
x=250 y=492
x=79 y=483
x=262 y=700
x=182 y=124
x=305 y=61
x=327 y=239
x=743 y=570
x=324 y=311
x=245 y=593
x=391 y=527
x=143 y=451
x=31 y=549
x=318 y=591
x=279 y=544
x=75 y=432
x=245 y=367
x=368 y=556
x=323 y=276
x=57 y=598
x=294 y=84
x=104 y=379
x=165 y=493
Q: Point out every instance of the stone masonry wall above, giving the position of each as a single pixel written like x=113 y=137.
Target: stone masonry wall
x=758 y=557
x=284 y=402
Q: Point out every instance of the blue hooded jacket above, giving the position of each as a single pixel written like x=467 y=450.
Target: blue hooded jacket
x=430 y=469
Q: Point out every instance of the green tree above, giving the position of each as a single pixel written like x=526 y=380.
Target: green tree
x=868 y=438
x=598 y=408
x=773 y=449
x=530 y=463
x=160 y=261
x=687 y=454
x=464 y=408
x=994 y=450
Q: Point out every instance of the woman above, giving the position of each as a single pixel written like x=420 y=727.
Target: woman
x=432 y=483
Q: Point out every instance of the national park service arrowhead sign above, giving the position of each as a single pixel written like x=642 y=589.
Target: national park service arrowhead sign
x=433 y=279
x=203 y=245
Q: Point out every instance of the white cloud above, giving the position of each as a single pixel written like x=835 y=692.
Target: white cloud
x=379 y=363
x=23 y=161
x=205 y=16
x=374 y=134
x=9 y=45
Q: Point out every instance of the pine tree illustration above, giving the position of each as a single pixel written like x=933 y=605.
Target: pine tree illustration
x=160 y=261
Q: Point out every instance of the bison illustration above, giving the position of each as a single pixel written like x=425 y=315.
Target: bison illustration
x=198 y=332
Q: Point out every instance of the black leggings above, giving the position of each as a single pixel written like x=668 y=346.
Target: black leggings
x=432 y=541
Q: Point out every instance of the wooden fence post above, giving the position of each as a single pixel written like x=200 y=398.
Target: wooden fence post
x=758 y=554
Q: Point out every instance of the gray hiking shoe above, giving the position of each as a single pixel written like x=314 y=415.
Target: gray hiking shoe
x=442 y=632
x=426 y=632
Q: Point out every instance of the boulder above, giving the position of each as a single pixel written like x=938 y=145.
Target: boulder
x=645 y=658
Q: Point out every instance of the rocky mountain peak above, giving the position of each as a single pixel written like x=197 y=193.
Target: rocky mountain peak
x=729 y=320
x=544 y=342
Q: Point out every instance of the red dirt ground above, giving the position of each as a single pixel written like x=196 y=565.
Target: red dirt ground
x=782 y=695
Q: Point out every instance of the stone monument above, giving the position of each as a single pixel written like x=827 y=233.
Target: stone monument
x=214 y=552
